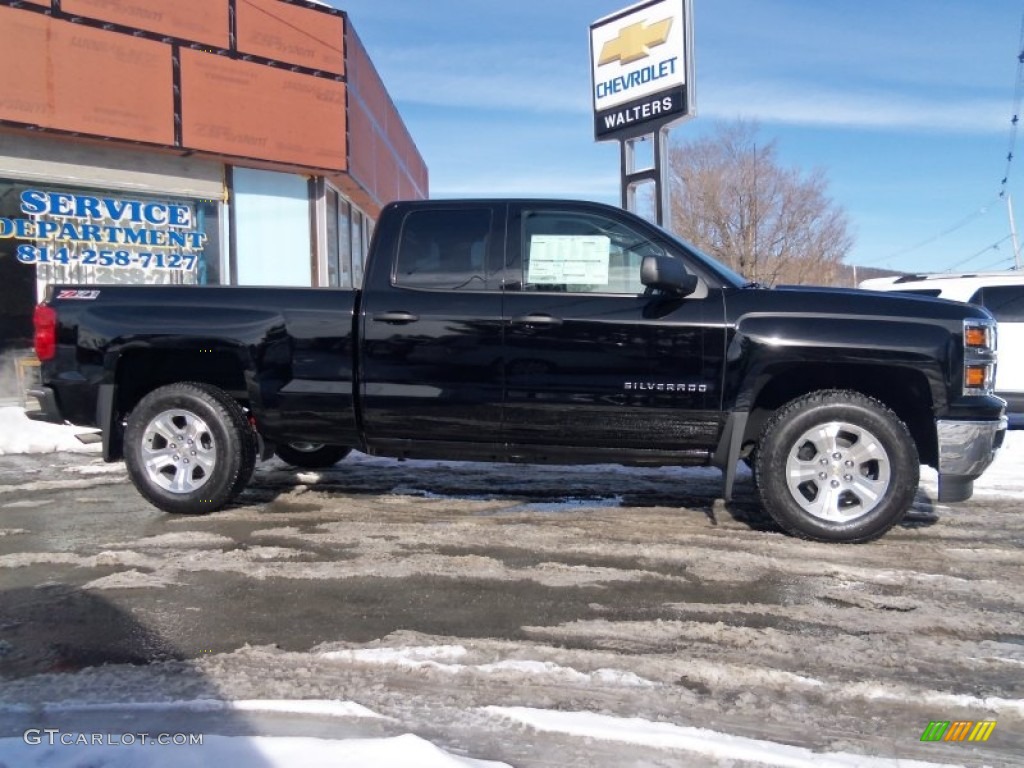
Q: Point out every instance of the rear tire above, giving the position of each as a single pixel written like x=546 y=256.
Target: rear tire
x=311 y=455
x=189 y=448
x=837 y=466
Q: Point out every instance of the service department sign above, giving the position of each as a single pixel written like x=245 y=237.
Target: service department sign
x=642 y=68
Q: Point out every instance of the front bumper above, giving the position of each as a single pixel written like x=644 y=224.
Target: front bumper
x=966 y=448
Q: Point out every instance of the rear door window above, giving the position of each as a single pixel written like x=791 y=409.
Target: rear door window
x=445 y=250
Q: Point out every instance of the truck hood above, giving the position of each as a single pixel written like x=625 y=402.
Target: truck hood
x=800 y=299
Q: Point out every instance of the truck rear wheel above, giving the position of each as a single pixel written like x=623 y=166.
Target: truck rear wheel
x=189 y=448
x=311 y=455
x=837 y=466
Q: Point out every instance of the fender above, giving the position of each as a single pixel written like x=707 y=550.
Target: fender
x=765 y=345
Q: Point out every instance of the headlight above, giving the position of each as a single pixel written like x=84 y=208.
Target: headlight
x=978 y=378
x=980 y=335
x=979 y=356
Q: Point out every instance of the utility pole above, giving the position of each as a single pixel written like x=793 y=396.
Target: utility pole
x=1013 y=232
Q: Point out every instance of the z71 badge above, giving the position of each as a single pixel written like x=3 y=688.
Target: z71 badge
x=81 y=295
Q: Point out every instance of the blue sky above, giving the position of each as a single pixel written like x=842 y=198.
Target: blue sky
x=905 y=105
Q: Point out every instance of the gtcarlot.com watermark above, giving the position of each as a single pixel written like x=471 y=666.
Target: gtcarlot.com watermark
x=56 y=737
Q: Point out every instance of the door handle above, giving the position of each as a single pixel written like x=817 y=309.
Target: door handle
x=547 y=320
x=396 y=318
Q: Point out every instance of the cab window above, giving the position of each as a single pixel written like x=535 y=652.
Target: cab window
x=572 y=252
x=444 y=250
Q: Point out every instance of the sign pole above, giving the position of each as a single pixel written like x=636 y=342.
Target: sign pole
x=662 y=188
x=631 y=177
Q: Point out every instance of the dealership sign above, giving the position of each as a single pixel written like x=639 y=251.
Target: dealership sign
x=642 y=68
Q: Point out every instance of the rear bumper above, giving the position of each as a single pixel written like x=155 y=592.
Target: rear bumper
x=48 y=410
x=966 y=448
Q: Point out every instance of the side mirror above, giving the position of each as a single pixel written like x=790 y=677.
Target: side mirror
x=667 y=274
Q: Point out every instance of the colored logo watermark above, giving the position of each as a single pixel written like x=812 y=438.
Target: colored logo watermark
x=958 y=730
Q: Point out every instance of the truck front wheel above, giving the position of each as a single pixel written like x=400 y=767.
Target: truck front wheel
x=189 y=448
x=837 y=466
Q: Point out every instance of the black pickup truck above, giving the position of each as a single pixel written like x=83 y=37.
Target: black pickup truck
x=535 y=331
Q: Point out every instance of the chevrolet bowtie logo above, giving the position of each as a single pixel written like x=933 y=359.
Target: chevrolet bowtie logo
x=635 y=42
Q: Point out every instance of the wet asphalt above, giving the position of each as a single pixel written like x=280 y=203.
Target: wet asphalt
x=75 y=505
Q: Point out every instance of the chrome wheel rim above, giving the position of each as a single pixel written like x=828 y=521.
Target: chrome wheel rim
x=838 y=471
x=179 y=452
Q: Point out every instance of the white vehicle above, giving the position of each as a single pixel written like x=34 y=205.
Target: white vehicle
x=1002 y=294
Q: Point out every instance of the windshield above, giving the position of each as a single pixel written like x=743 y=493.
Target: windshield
x=727 y=276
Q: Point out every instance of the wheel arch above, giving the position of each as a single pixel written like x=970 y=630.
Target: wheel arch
x=137 y=372
x=905 y=391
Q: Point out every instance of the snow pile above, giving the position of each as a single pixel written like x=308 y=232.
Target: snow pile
x=19 y=434
x=317 y=707
x=124 y=748
x=251 y=751
x=701 y=741
x=512 y=670
x=70 y=749
x=1003 y=477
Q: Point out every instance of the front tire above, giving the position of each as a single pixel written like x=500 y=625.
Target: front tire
x=311 y=455
x=837 y=466
x=189 y=448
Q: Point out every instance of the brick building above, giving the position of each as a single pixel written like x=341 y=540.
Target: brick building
x=245 y=142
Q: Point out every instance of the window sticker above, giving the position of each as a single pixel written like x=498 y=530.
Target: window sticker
x=569 y=260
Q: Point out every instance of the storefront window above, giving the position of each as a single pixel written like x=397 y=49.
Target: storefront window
x=344 y=244
x=59 y=235
x=348 y=231
x=357 y=249
x=339 y=240
x=333 y=266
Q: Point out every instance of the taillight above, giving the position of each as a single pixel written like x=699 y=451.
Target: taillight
x=45 y=321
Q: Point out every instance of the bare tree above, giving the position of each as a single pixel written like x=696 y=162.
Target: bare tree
x=732 y=199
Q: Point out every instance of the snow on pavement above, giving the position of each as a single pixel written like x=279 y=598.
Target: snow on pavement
x=19 y=434
x=697 y=741
x=810 y=645
x=406 y=751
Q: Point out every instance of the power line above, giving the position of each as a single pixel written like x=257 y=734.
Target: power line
x=948 y=231
x=1018 y=96
x=986 y=249
x=999 y=263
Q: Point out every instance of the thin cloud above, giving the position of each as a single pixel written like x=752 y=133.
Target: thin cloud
x=792 y=105
x=558 y=92
x=591 y=186
x=489 y=91
x=500 y=77
x=530 y=78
